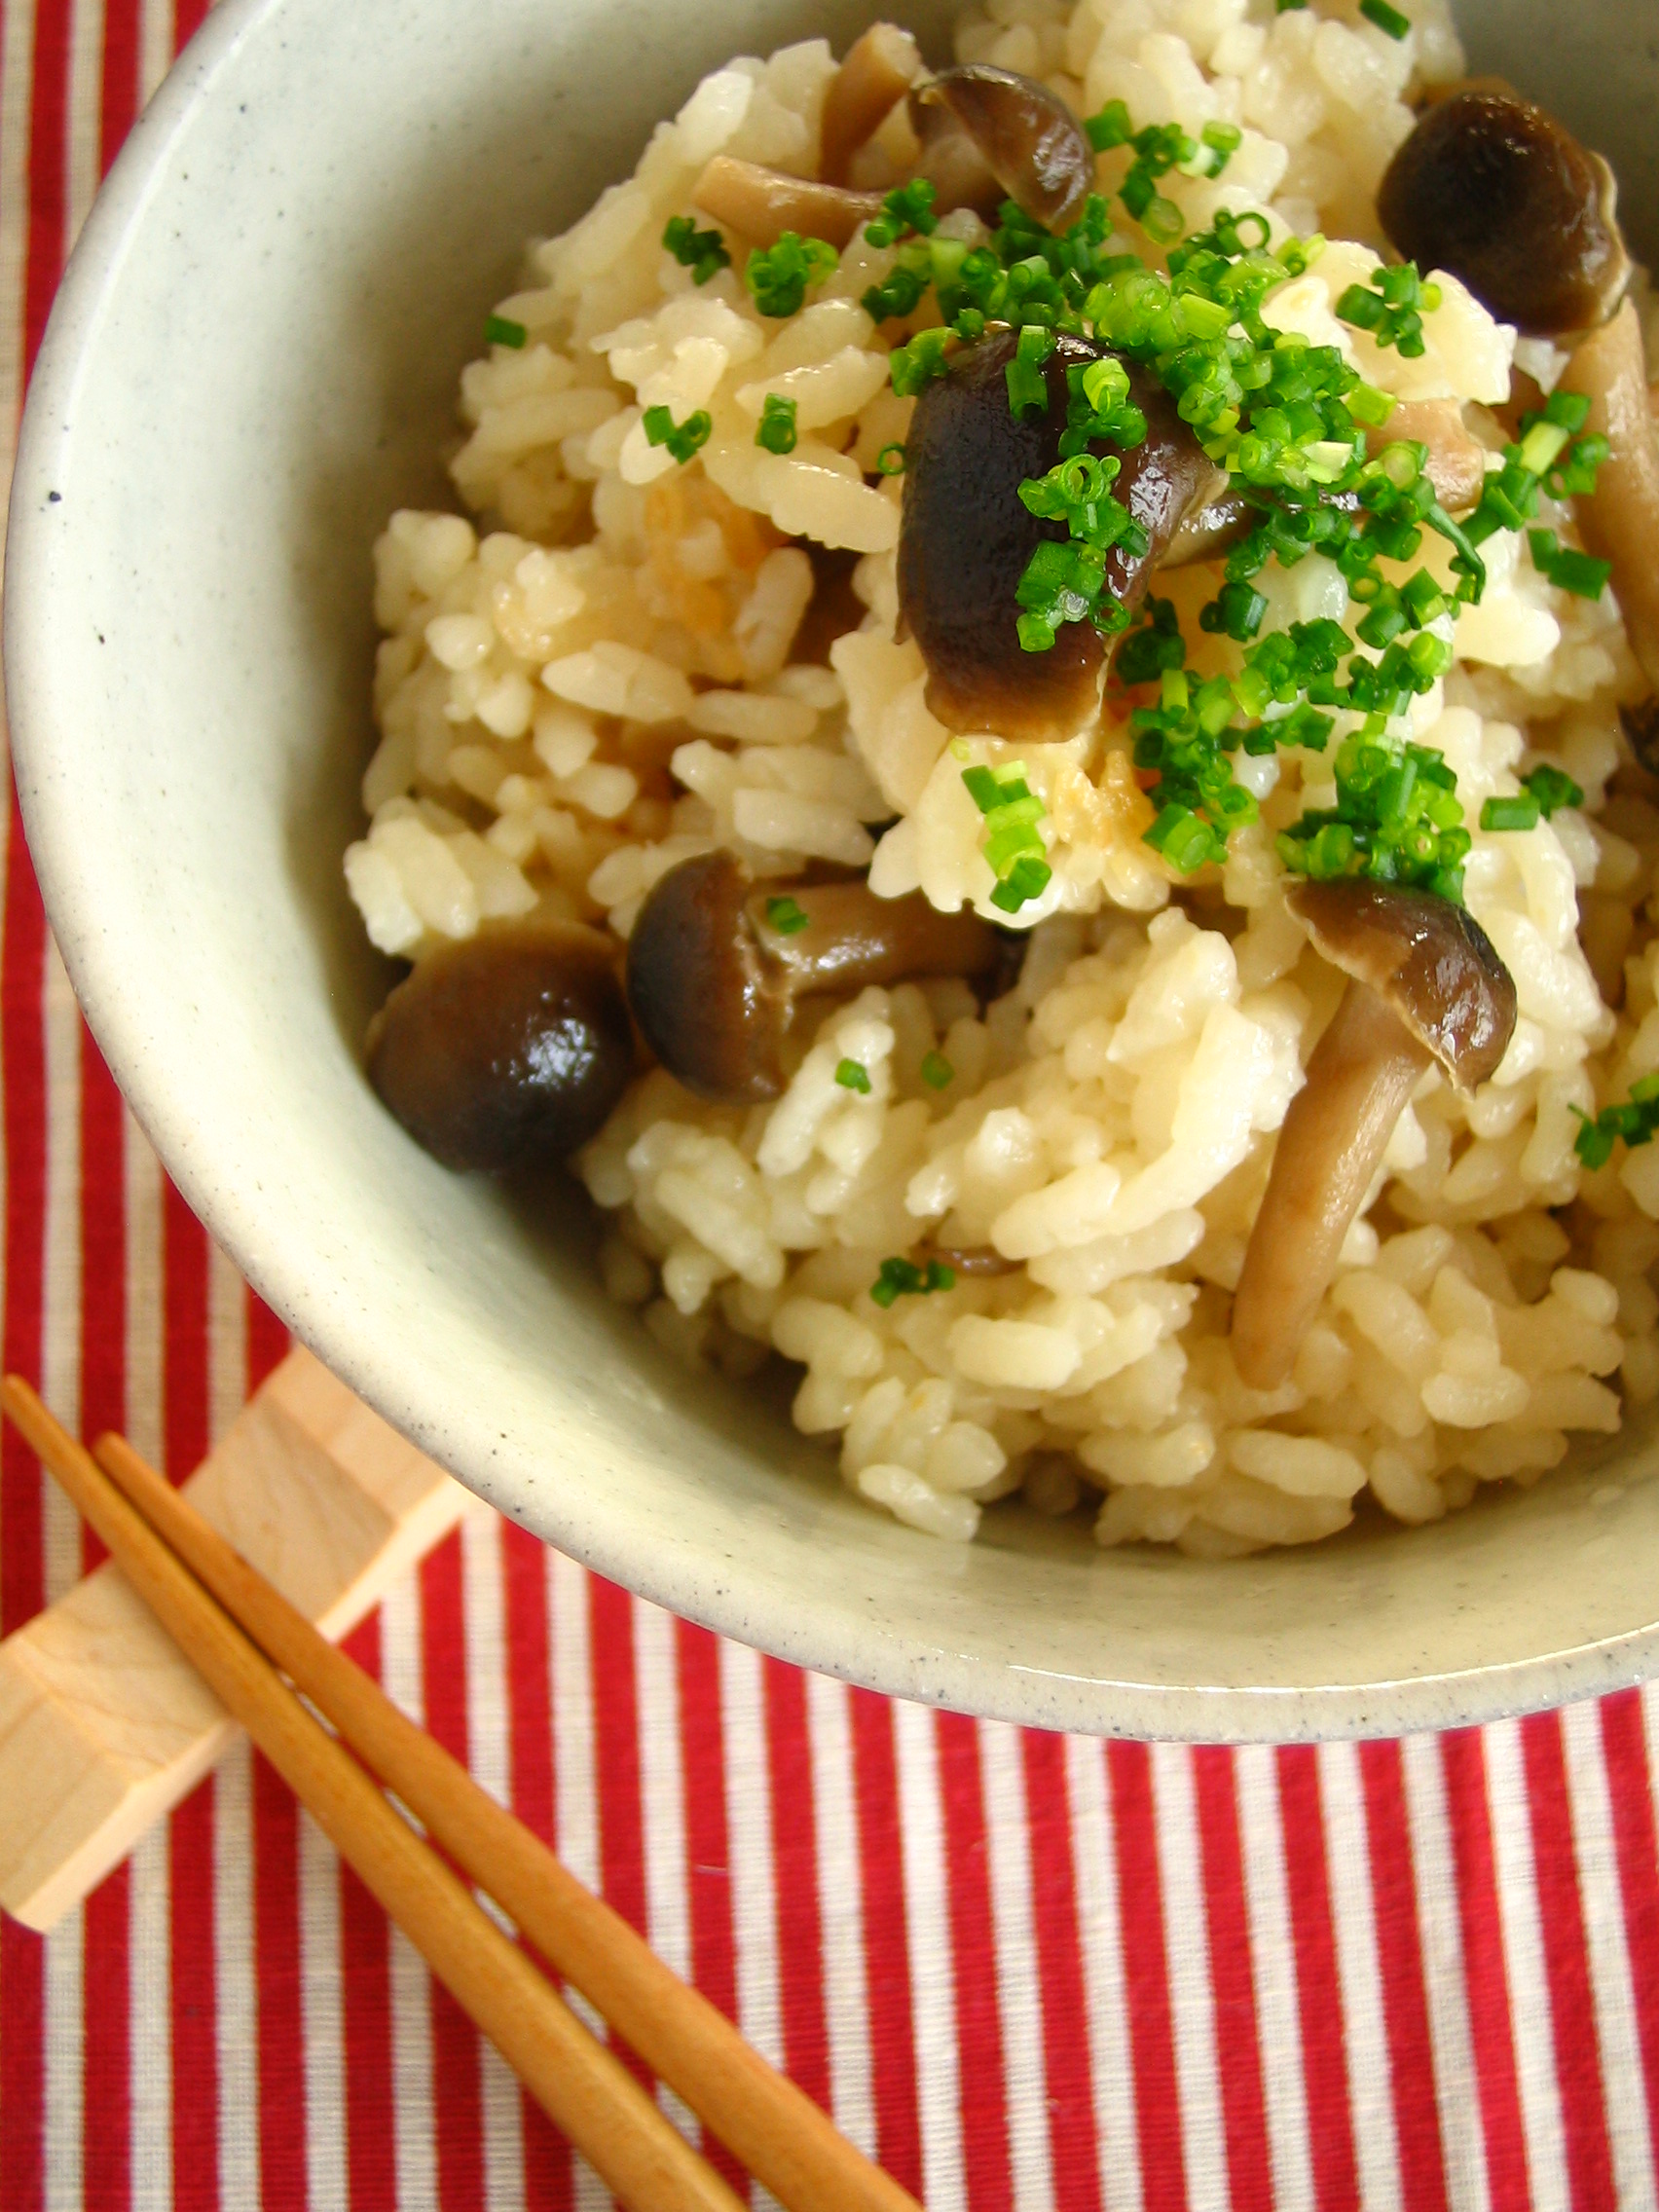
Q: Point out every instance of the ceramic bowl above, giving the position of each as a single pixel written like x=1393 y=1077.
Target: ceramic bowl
x=252 y=360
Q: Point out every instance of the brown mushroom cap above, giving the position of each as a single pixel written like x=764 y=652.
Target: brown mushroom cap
x=1425 y=984
x=879 y=70
x=990 y=134
x=763 y=203
x=713 y=977
x=1431 y=962
x=510 y=1047
x=967 y=537
x=1492 y=188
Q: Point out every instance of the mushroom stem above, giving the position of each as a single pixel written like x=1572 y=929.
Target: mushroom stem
x=851 y=938
x=1363 y=1072
x=1620 y=520
x=763 y=203
x=879 y=70
x=717 y=963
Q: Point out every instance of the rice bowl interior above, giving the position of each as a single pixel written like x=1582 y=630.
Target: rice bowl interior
x=1255 y=1632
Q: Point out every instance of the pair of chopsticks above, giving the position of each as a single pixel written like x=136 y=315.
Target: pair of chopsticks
x=238 y=1631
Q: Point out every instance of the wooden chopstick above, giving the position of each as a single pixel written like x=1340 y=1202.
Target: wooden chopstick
x=776 y=2131
x=584 y=2090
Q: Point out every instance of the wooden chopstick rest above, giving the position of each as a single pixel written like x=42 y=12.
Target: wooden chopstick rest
x=784 y=2139
x=585 y=2091
x=104 y=1726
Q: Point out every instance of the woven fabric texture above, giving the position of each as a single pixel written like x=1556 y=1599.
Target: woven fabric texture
x=1025 y=1971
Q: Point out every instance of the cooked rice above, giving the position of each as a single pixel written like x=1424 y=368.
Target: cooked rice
x=601 y=685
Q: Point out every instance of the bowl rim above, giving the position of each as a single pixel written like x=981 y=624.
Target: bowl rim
x=795 y=1627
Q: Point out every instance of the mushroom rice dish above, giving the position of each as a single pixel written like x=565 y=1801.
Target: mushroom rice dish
x=1041 y=764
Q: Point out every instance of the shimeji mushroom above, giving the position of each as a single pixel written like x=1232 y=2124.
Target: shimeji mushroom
x=717 y=963
x=1620 y=519
x=986 y=135
x=989 y=134
x=1494 y=191
x=763 y=203
x=967 y=537
x=510 y=1047
x=879 y=70
x=1426 y=985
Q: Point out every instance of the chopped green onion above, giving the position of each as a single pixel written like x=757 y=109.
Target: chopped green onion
x=984 y=788
x=1386 y=18
x=898 y=294
x=892 y=461
x=778 y=276
x=902 y=1278
x=1162 y=219
x=1581 y=466
x=776 y=431
x=703 y=252
x=1154 y=649
x=1013 y=845
x=1543 y=445
x=786 y=917
x=852 y=1075
x=1370 y=406
x=1111 y=127
x=1185 y=840
x=1105 y=385
x=937 y=1071
x=1510 y=813
x=682 y=439
x=501 y=330
x=1593 y=1144
x=1220 y=142
x=1637 y=1122
x=1397 y=820
x=1553 y=788
x=908 y=207
x=1027 y=387
x=1568 y=570
x=1570 y=411
x=1391 y=309
x=913 y=367
x=1028 y=879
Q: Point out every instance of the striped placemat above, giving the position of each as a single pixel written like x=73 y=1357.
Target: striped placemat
x=1025 y=1970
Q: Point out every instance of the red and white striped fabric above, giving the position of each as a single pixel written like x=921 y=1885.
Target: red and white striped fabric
x=1025 y=1971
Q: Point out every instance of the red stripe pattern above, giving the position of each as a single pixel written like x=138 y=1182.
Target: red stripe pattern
x=1031 y=1976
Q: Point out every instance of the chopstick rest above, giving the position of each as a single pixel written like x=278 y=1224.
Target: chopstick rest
x=103 y=1727
x=584 y=2090
x=784 y=2139
x=780 y=2134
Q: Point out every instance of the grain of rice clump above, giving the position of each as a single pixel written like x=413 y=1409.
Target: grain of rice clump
x=597 y=681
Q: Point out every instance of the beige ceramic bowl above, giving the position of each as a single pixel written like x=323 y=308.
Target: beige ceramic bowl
x=252 y=360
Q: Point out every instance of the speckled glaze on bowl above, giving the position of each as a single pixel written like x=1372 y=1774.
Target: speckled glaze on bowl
x=252 y=360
